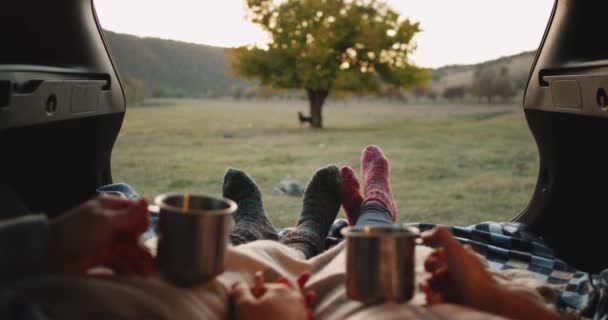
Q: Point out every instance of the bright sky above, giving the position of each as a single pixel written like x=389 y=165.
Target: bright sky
x=454 y=31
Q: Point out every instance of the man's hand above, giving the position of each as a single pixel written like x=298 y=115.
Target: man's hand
x=282 y=300
x=459 y=276
x=103 y=231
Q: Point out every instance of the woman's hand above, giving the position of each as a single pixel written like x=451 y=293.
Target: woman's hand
x=457 y=273
x=284 y=299
x=103 y=231
x=459 y=276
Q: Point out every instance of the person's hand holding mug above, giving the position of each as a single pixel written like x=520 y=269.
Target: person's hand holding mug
x=459 y=276
x=103 y=231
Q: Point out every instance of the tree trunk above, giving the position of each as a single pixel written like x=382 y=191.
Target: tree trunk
x=316 y=98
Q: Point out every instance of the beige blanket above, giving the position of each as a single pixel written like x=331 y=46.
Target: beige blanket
x=106 y=297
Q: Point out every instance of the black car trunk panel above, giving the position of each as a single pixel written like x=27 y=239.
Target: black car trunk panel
x=61 y=105
x=565 y=110
x=56 y=166
x=570 y=199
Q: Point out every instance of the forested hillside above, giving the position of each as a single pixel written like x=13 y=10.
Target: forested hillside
x=503 y=78
x=172 y=68
x=156 y=67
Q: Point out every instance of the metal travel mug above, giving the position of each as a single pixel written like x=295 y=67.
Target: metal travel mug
x=193 y=236
x=380 y=263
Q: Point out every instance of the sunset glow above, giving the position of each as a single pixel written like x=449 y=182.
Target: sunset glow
x=454 y=32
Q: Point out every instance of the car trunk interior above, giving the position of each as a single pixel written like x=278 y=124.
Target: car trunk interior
x=61 y=106
x=565 y=106
x=55 y=153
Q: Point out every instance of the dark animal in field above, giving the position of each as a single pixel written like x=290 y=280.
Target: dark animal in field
x=303 y=119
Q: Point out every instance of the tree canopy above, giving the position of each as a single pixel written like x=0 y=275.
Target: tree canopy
x=323 y=45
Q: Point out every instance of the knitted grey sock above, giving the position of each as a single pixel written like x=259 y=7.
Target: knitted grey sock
x=321 y=204
x=251 y=222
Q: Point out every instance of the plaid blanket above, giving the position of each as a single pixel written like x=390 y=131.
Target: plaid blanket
x=508 y=245
x=505 y=245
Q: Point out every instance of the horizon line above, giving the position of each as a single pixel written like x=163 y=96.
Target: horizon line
x=228 y=47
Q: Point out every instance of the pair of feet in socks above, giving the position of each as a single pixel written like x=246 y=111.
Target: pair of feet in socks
x=329 y=188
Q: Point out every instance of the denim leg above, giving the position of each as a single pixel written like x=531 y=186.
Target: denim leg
x=126 y=191
x=119 y=189
x=374 y=213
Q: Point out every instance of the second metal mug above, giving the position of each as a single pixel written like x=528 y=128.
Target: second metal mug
x=193 y=236
x=380 y=263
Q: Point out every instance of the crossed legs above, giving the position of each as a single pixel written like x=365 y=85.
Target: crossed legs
x=321 y=204
x=329 y=188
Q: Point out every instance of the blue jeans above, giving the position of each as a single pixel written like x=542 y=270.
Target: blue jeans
x=374 y=213
x=126 y=191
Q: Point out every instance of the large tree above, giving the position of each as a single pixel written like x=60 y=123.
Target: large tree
x=324 y=45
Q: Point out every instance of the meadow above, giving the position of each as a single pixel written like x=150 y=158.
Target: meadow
x=452 y=164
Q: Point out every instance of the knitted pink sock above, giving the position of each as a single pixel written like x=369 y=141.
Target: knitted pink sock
x=376 y=179
x=351 y=196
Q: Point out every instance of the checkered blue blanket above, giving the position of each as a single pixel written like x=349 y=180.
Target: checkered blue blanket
x=505 y=245
x=508 y=245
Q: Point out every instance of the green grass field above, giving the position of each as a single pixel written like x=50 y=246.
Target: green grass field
x=449 y=164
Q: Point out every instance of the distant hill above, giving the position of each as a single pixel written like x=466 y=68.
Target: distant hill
x=462 y=75
x=152 y=66
x=170 y=67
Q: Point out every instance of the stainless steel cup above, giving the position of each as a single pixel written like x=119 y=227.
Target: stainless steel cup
x=380 y=263
x=193 y=236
